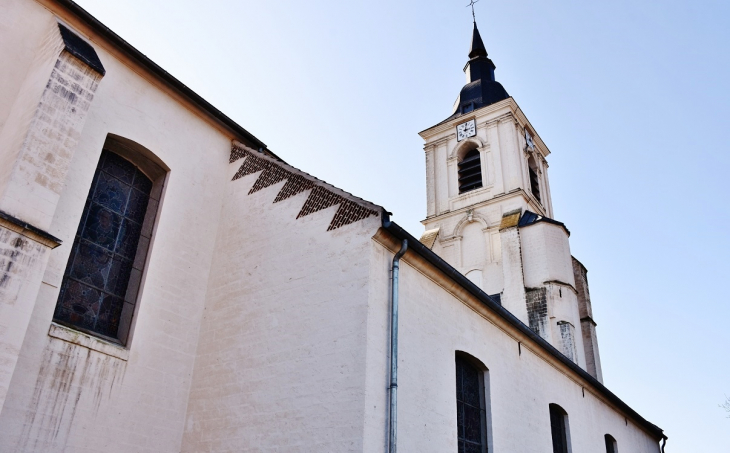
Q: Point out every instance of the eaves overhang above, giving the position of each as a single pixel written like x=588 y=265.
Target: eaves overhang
x=432 y=258
x=486 y=111
x=160 y=74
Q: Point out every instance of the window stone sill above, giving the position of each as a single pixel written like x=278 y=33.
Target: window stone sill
x=87 y=341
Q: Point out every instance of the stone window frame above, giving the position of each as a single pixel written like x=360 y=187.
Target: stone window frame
x=157 y=171
x=485 y=399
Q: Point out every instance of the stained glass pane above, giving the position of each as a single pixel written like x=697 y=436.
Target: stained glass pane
x=471 y=386
x=79 y=304
x=91 y=264
x=102 y=226
x=460 y=419
x=142 y=183
x=119 y=167
x=111 y=193
x=128 y=239
x=96 y=278
x=119 y=277
x=557 y=425
x=109 y=314
x=469 y=408
x=137 y=205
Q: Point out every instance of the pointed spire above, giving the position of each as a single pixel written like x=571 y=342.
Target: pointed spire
x=477 y=45
x=481 y=88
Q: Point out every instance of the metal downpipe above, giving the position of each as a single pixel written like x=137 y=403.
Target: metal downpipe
x=393 y=418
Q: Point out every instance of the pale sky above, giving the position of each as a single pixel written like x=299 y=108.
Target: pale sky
x=631 y=97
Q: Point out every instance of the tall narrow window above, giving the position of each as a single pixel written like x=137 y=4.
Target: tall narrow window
x=610 y=444
x=95 y=284
x=534 y=181
x=470 y=172
x=559 y=428
x=471 y=414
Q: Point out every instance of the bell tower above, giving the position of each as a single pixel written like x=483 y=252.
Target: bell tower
x=483 y=161
x=489 y=212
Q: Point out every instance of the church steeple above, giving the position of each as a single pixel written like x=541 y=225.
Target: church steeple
x=477 y=45
x=479 y=66
x=481 y=88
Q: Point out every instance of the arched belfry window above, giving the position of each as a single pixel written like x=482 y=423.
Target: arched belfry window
x=470 y=171
x=534 y=180
x=99 y=289
x=559 y=429
x=471 y=409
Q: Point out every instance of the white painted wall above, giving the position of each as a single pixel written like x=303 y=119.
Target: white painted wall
x=433 y=326
x=65 y=397
x=281 y=361
x=546 y=254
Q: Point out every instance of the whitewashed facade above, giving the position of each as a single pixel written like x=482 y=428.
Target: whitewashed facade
x=253 y=314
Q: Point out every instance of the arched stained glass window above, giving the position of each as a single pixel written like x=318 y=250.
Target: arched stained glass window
x=610 y=444
x=95 y=284
x=471 y=414
x=559 y=429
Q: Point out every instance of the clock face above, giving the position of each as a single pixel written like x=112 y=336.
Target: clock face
x=528 y=140
x=466 y=130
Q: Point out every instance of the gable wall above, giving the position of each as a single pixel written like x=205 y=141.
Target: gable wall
x=281 y=359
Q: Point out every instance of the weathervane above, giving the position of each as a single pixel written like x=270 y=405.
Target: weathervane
x=472 y=9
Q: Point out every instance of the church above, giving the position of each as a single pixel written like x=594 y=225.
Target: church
x=170 y=284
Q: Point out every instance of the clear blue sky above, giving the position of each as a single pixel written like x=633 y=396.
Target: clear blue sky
x=631 y=97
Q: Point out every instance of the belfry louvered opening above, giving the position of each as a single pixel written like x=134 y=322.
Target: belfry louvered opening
x=534 y=180
x=470 y=172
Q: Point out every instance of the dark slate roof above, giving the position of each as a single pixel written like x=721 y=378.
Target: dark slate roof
x=481 y=88
x=477 y=45
x=478 y=94
x=531 y=218
x=81 y=49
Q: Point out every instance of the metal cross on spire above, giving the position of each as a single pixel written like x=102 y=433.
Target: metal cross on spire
x=472 y=9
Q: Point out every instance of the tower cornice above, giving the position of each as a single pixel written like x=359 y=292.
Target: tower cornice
x=527 y=197
x=488 y=112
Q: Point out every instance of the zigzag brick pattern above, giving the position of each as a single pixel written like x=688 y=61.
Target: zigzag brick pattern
x=237 y=153
x=320 y=198
x=349 y=212
x=270 y=176
x=296 y=184
x=251 y=165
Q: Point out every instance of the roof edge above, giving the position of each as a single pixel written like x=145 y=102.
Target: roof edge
x=156 y=70
x=417 y=247
x=235 y=144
